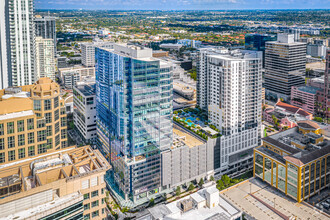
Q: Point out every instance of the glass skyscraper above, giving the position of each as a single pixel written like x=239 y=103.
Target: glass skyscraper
x=257 y=42
x=134 y=117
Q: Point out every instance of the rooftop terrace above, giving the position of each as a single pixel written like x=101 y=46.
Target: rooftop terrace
x=32 y=173
x=311 y=146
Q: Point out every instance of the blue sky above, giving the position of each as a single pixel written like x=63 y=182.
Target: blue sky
x=181 y=4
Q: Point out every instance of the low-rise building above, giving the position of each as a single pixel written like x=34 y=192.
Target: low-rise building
x=159 y=53
x=286 y=115
x=32 y=121
x=84 y=115
x=304 y=97
x=70 y=79
x=203 y=204
x=67 y=184
x=295 y=161
x=82 y=70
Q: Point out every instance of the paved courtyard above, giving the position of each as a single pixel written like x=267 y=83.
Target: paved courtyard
x=240 y=197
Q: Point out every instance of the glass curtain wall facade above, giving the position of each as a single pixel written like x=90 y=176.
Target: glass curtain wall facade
x=134 y=119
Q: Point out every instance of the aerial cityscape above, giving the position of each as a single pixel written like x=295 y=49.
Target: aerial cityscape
x=151 y=110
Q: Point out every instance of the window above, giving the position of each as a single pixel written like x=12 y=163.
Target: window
x=50 y=143
x=86 y=206
x=11 y=155
x=57 y=115
x=64 y=145
x=21 y=153
x=47 y=104
x=2 y=157
x=57 y=140
x=2 y=143
x=63 y=121
x=85 y=185
x=41 y=135
x=102 y=191
x=42 y=148
x=55 y=102
x=48 y=117
x=49 y=131
x=31 y=151
x=86 y=196
x=10 y=127
x=63 y=111
x=57 y=127
x=2 y=129
x=11 y=142
x=63 y=133
x=95 y=193
x=41 y=123
x=95 y=203
x=87 y=217
x=21 y=139
x=95 y=214
x=103 y=200
x=37 y=105
x=31 y=138
x=30 y=124
x=20 y=125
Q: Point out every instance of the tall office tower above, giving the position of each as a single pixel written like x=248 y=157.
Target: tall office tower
x=45 y=27
x=45 y=60
x=257 y=42
x=88 y=51
x=32 y=121
x=285 y=66
x=134 y=95
x=230 y=90
x=17 y=42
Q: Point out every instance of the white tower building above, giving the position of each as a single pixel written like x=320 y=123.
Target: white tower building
x=17 y=43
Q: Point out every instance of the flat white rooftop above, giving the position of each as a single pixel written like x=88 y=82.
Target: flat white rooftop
x=16 y=115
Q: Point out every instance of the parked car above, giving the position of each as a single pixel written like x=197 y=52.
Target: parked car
x=325 y=205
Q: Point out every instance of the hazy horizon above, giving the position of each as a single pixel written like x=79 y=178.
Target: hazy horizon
x=182 y=4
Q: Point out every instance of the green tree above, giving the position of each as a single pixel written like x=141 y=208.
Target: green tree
x=212 y=178
x=318 y=119
x=201 y=182
x=226 y=180
x=151 y=202
x=178 y=190
x=220 y=185
x=191 y=187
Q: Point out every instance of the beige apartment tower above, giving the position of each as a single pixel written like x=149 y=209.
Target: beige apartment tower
x=45 y=60
x=67 y=184
x=32 y=121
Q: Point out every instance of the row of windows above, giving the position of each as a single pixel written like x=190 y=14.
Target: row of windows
x=93 y=194
x=20 y=126
x=21 y=153
x=47 y=104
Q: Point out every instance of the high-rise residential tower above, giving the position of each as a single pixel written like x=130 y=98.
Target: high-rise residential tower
x=45 y=60
x=17 y=42
x=229 y=89
x=88 y=51
x=285 y=66
x=32 y=121
x=134 y=117
x=45 y=27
